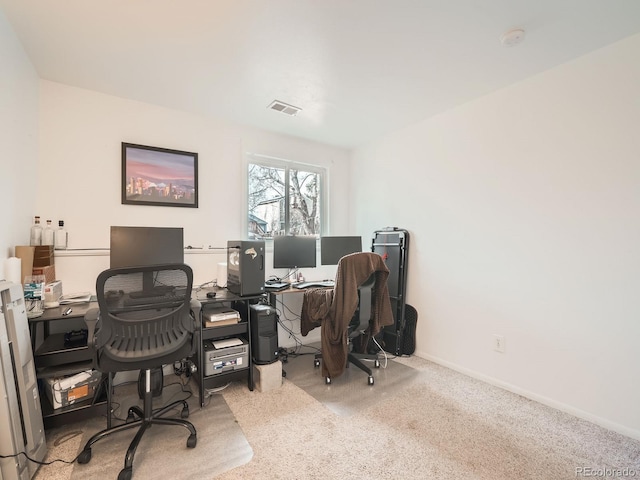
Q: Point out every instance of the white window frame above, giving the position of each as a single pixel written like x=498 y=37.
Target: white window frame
x=273 y=162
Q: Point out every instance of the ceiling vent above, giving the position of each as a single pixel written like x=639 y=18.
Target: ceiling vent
x=285 y=108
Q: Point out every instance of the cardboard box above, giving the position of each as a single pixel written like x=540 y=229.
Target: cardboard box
x=25 y=254
x=65 y=391
x=49 y=273
x=43 y=256
x=34 y=257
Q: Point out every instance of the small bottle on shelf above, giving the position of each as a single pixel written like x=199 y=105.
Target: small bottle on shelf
x=61 y=237
x=47 y=234
x=36 y=232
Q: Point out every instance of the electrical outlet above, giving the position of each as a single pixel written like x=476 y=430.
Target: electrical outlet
x=498 y=343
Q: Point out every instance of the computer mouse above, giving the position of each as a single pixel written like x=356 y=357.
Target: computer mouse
x=211 y=294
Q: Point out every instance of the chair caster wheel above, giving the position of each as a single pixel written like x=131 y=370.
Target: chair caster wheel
x=125 y=474
x=130 y=417
x=192 y=441
x=84 y=456
x=185 y=412
x=316 y=363
x=376 y=364
x=370 y=381
x=327 y=380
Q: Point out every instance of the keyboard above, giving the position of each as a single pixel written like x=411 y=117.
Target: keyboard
x=157 y=291
x=136 y=301
x=319 y=284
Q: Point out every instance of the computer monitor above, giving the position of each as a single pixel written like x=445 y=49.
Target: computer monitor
x=332 y=249
x=144 y=246
x=294 y=251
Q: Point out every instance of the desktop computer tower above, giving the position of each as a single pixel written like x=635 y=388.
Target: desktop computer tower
x=264 y=334
x=22 y=428
x=245 y=267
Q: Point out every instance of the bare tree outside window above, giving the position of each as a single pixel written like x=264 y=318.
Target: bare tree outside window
x=304 y=199
x=284 y=200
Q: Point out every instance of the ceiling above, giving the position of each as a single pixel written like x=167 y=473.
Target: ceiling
x=357 y=68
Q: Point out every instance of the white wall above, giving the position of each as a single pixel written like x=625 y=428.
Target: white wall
x=18 y=142
x=523 y=208
x=80 y=165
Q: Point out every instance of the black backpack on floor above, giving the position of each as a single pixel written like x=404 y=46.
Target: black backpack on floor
x=409 y=335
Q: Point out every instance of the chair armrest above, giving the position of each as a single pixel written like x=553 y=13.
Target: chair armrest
x=91 y=318
x=196 y=306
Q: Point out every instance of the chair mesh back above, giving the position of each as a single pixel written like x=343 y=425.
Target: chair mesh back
x=145 y=317
x=366 y=295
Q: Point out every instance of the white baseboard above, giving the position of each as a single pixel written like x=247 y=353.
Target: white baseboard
x=563 y=407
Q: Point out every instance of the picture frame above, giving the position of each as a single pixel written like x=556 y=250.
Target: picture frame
x=159 y=176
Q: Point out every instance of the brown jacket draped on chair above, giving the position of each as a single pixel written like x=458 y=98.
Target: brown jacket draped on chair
x=332 y=310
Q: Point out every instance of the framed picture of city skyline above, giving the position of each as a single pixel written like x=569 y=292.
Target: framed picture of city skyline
x=159 y=176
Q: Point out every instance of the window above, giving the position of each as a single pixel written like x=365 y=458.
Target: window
x=284 y=198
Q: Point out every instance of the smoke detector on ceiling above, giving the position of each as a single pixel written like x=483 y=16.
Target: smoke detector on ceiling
x=512 y=37
x=285 y=108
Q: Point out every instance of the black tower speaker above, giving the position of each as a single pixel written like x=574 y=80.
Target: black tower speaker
x=245 y=267
x=264 y=334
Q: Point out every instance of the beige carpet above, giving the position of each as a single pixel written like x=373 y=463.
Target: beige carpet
x=350 y=393
x=432 y=424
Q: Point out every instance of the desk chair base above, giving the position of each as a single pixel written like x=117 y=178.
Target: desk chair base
x=136 y=417
x=356 y=359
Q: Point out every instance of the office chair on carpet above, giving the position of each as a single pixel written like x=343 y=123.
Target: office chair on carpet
x=357 y=308
x=143 y=321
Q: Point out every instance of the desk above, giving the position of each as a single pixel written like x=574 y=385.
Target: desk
x=274 y=294
x=53 y=359
x=55 y=343
x=291 y=289
x=293 y=304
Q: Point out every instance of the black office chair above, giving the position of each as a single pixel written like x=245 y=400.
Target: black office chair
x=357 y=330
x=143 y=321
x=358 y=306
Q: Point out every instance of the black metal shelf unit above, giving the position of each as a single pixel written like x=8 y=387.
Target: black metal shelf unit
x=239 y=330
x=52 y=359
